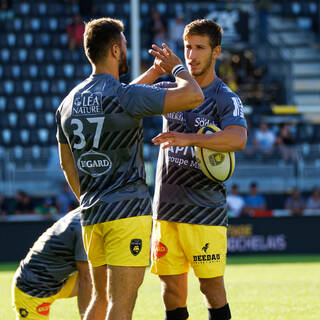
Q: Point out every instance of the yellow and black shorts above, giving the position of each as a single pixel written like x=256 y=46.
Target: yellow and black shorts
x=33 y=308
x=177 y=246
x=123 y=242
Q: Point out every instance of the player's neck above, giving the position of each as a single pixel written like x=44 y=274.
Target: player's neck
x=106 y=68
x=205 y=79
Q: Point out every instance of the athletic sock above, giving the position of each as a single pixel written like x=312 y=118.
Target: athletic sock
x=222 y=313
x=177 y=314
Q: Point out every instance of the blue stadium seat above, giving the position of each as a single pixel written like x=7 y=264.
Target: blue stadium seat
x=43 y=136
x=24 y=136
x=28 y=39
x=68 y=70
x=12 y=119
x=6 y=137
x=9 y=87
x=3 y=103
x=44 y=86
x=24 y=8
x=23 y=55
x=38 y=102
x=15 y=71
x=50 y=70
x=11 y=39
x=50 y=119
x=27 y=86
x=20 y=103
x=30 y=119
x=5 y=54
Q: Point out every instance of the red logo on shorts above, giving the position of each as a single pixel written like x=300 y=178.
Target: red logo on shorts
x=159 y=249
x=44 y=308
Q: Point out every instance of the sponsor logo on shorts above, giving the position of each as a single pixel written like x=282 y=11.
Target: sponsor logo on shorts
x=159 y=249
x=23 y=312
x=205 y=247
x=135 y=246
x=206 y=258
x=44 y=308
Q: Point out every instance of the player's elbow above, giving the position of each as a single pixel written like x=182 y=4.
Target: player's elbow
x=241 y=144
x=196 y=98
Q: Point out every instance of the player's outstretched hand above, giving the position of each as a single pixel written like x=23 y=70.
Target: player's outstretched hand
x=172 y=138
x=165 y=58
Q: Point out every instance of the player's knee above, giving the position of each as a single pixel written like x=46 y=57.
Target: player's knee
x=212 y=286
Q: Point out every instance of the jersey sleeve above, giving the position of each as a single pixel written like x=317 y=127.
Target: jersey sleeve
x=80 y=253
x=60 y=134
x=142 y=100
x=231 y=110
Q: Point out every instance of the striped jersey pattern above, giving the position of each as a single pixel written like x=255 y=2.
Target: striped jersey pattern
x=183 y=193
x=101 y=120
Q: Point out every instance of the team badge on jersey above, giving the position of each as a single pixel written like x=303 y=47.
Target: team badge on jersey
x=135 y=246
x=159 y=249
x=205 y=247
x=44 y=308
x=23 y=312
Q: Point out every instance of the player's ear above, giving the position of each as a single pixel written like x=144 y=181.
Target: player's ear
x=216 y=52
x=115 y=51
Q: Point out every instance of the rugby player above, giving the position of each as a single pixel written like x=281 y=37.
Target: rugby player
x=56 y=267
x=100 y=145
x=190 y=212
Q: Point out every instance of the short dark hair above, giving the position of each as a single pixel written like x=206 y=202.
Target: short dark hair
x=205 y=27
x=100 y=35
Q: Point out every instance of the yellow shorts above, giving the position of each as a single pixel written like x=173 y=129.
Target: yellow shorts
x=33 y=308
x=176 y=246
x=123 y=242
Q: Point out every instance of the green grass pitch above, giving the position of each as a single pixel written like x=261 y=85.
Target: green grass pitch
x=258 y=287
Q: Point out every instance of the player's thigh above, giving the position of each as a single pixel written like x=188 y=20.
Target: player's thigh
x=123 y=284
x=29 y=307
x=168 y=257
x=94 y=244
x=99 y=277
x=127 y=241
x=205 y=248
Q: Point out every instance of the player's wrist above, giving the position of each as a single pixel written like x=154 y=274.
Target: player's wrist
x=177 y=69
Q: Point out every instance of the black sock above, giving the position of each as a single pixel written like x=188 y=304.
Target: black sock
x=222 y=313
x=177 y=314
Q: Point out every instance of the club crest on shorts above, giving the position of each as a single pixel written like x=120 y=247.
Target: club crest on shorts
x=23 y=312
x=135 y=246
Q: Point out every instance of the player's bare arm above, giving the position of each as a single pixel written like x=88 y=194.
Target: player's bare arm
x=232 y=138
x=69 y=168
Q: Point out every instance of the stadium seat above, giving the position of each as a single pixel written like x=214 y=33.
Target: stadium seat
x=9 y=87
x=6 y=137
x=5 y=54
x=12 y=119
x=43 y=136
x=3 y=103
x=38 y=102
x=27 y=86
x=24 y=136
x=15 y=71
x=28 y=39
x=11 y=39
x=23 y=55
x=68 y=70
x=20 y=103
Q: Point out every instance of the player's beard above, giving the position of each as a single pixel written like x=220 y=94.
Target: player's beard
x=123 y=64
x=207 y=64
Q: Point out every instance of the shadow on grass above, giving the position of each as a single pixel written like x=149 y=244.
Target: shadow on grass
x=272 y=259
x=9 y=266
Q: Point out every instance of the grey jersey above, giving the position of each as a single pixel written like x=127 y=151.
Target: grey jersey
x=101 y=121
x=183 y=193
x=52 y=259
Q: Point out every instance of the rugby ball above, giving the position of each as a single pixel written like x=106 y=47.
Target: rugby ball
x=218 y=166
